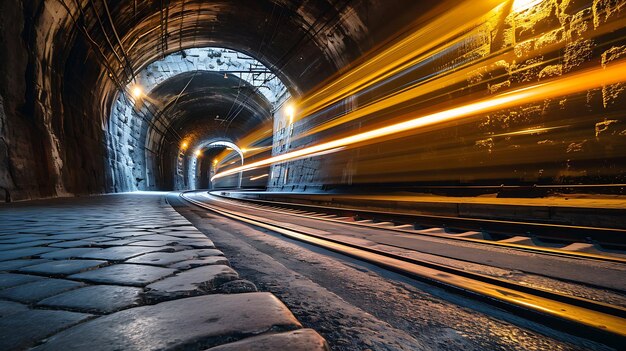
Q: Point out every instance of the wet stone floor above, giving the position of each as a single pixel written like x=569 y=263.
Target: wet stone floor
x=126 y=271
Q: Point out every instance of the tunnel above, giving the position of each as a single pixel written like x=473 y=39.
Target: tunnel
x=70 y=123
x=312 y=175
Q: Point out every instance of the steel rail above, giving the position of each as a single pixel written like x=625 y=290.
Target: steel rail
x=598 y=321
x=351 y=212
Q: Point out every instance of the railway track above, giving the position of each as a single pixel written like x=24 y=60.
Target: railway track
x=523 y=236
x=595 y=320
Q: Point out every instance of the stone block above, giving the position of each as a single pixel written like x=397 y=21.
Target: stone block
x=38 y=290
x=15 y=264
x=204 y=261
x=74 y=236
x=124 y=274
x=64 y=254
x=196 y=281
x=63 y=267
x=153 y=243
x=191 y=234
x=74 y=243
x=120 y=242
x=208 y=321
x=8 y=280
x=208 y=252
x=24 y=253
x=96 y=299
x=129 y=234
x=120 y=253
x=158 y=237
x=20 y=238
x=8 y=308
x=197 y=243
x=297 y=340
x=22 y=330
x=163 y=258
x=4 y=247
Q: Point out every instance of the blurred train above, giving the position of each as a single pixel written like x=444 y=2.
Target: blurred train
x=553 y=139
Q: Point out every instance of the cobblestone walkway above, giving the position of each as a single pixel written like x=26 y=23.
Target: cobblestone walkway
x=127 y=272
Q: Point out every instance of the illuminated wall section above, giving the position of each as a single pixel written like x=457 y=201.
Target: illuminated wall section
x=580 y=137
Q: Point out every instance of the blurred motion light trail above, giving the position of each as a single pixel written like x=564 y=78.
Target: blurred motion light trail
x=401 y=55
x=581 y=81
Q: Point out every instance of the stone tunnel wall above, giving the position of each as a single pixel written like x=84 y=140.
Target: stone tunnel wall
x=50 y=142
x=549 y=39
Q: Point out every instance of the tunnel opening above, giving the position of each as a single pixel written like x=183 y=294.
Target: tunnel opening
x=205 y=162
x=181 y=105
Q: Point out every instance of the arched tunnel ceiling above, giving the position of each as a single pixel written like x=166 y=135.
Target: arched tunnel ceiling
x=301 y=42
x=67 y=61
x=213 y=59
x=199 y=105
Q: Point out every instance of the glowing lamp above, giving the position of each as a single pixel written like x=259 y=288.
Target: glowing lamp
x=290 y=110
x=137 y=92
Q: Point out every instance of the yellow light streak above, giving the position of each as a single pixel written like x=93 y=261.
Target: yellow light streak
x=444 y=80
x=401 y=55
x=530 y=131
x=259 y=177
x=521 y=5
x=573 y=83
x=246 y=142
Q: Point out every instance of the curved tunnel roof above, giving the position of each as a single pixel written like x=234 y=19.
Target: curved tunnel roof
x=78 y=55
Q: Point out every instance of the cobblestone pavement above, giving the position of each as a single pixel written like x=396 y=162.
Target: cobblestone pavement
x=127 y=272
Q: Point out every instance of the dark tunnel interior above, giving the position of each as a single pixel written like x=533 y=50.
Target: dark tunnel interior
x=111 y=96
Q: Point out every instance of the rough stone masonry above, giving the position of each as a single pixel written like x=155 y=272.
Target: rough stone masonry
x=128 y=272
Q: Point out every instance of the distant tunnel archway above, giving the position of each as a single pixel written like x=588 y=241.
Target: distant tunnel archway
x=199 y=174
x=186 y=98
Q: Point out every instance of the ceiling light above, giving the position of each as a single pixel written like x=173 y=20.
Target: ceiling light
x=290 y=110
x=137 y=91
